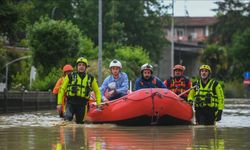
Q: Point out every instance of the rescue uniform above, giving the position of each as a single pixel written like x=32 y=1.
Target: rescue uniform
x=179 y=85
x=152 y=82
x=56 y=91
x=77 y=87
x=208 y=100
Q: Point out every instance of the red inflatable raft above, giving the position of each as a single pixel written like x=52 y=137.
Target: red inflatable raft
x=153 y=106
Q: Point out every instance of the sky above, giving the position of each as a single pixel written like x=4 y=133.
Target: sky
x=195 y=8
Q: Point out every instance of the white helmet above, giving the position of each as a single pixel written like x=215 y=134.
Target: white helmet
x=147 y=66
x=115 y=63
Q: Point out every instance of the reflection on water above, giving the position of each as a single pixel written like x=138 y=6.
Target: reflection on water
x=44 y=131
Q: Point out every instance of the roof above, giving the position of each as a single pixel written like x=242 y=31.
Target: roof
x=194 y=21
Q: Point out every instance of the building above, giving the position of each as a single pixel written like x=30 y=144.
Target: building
x=189 y=36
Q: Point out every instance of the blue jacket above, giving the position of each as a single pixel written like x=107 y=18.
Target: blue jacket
x=152 y=82
x=121 y=84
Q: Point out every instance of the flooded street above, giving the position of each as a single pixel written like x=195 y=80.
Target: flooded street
x=45 y=130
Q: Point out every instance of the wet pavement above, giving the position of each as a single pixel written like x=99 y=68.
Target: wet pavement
x=45 y=130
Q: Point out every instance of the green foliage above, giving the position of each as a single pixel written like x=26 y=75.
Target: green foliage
x=240 y=52
x=3 y=57
x=132 y=58
x=57 y=10
x=14 y=68
x=45 y=83
x=87 y=49
x=21 y=78
x=232 y=19
x=232 y=32
x=131 y=22
x=57 y=41
x=13 y=20
x=3 y=60
x=216 y=56
x=234 y=89
x=142 y=23
x=93 y=69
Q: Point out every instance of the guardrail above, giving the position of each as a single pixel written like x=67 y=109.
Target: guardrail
x=23 y=101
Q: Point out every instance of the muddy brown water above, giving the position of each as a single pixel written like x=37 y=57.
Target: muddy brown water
x=44 y=130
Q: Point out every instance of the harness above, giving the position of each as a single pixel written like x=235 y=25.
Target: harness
x=178 y=86
x=206 y=96
x=79 y=87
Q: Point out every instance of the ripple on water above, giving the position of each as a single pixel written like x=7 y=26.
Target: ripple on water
x=28 y=119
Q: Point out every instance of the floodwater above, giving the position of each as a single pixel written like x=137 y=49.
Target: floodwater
x=45 y=130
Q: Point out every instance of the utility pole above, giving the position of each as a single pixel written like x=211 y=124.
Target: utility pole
x=172 y=39
x=100 y=43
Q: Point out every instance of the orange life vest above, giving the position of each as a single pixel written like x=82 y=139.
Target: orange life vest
x=178 y=86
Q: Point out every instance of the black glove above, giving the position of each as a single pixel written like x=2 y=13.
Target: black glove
x=218 y=116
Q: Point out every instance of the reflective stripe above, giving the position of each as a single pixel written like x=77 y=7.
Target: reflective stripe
x=206 y=96
x=178 y=86
x=78 y=86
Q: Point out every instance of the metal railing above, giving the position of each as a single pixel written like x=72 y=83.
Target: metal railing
x=23 y=101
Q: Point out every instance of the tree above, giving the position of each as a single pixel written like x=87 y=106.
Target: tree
x=21 y=78
x=144 y=25
x=216 y=56
x=130 y=22
x=57 y=10
x=13 y=20
x=240 y=53
x=53 y=43
x=3 y=61
x=234 y=17
x=132 y=58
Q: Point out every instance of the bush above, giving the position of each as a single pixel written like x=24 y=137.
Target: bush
x=60 y=42
x=48 y=82
x=234 y=89
x=132 y=58
x=54 y=44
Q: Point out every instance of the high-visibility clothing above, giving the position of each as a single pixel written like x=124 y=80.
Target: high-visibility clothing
x=210 y=95
x=57 y=85
x=56 y=90
x=76 y=86
x=179 y=85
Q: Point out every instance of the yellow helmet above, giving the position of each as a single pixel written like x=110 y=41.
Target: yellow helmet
x=82 y=60
x=207 y=67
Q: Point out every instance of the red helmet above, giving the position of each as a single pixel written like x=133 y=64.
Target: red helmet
x=180 y=67
x=67 y=68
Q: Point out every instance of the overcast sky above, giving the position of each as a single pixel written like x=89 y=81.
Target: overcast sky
x=195 y=8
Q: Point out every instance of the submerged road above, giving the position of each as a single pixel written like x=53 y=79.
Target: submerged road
x=45 y=130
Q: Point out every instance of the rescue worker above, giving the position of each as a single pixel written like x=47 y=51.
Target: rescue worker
x=78 y=86
x=179 y=83
x=67 y=69
x=115 y=84
x=147 y=79
x=208 y=98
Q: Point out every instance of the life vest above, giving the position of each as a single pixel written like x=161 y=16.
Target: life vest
x=57 y=85
x=78 y=87
x=206 y=96
x=149 y=84
x=178 y=86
